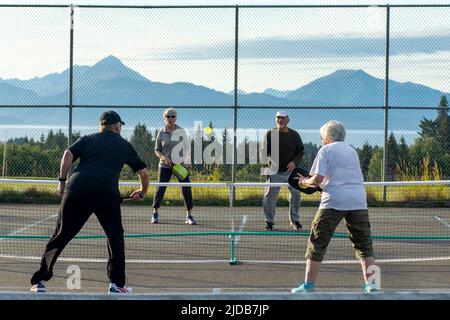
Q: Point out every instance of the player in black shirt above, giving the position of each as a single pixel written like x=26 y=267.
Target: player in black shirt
x=281 y=158
x=94 y=188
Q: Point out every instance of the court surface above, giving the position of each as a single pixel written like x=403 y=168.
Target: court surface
x=410 y=244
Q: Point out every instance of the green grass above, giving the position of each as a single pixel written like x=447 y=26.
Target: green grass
x=437 y=195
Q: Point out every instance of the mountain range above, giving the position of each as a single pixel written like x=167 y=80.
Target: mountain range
x=110 y=83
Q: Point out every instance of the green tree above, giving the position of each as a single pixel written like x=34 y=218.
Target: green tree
x=209 y=139
x=57 y=140
x=427 y=128
x=144 y=144
x=227 y=143
x=309 y=154
x=392 y=157
x=442 y=125
x=404 y=158
x=427 y=147
x=376 y=165
x=28 y=160
x=196 y=153
x=434 y=140
x=21 y=141
x=365 y=155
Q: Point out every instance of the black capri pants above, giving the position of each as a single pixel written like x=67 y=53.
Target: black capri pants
x=164 y=175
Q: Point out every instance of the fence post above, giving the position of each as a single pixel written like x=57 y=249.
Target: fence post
x=71 y=76
x=4 y=166
x=386 y=104
x=70 y=137
x=235 y=104
x=232 y=235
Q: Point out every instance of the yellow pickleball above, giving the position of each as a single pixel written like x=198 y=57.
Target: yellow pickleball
x=208 y=130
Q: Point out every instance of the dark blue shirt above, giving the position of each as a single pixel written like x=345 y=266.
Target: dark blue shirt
x=102 y=156
x=290 y=145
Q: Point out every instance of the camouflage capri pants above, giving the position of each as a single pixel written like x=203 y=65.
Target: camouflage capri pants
x=325 y=223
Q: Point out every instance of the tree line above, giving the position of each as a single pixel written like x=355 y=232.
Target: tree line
x=428 y=158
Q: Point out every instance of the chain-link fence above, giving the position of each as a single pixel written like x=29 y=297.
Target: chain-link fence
x=381 y=70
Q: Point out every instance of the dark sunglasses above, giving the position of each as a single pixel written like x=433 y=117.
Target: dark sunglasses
x=171 y=116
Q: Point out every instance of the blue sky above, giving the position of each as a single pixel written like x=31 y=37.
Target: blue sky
x=279 y=48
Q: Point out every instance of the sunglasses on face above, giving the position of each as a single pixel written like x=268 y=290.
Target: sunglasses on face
x=171 y=117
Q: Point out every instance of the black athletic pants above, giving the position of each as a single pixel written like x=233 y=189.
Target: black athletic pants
x=75 y=210
x=164 y=175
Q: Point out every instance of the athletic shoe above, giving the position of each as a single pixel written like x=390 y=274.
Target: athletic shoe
x=190 y=220
x=269 y=226
x=370 y=287
x=38 y=287
x=113 y=289
x=155 y=217
x=297 y=225
x=305 y=287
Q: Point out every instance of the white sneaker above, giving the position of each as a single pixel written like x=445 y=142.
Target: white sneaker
x=371 y=287
x=113 y=289
x=190 y=220
x=38 y=287
x=305 y=287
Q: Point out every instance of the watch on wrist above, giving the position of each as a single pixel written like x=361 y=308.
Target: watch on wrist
x=62 y=179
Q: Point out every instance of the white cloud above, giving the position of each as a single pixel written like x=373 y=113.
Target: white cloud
x=170 y=45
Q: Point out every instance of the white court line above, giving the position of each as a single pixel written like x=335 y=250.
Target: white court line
x=353 y=261
x=30 y=226
x=165 y=289
x=442 y=221
x=7 y=256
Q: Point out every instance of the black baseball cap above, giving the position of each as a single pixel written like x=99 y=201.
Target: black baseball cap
x=110 y=117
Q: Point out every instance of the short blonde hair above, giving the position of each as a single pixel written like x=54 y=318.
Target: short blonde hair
x=170 y=112
x=333 y=130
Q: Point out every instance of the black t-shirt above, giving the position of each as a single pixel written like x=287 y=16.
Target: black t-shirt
x=102 y=156
x=290 y=148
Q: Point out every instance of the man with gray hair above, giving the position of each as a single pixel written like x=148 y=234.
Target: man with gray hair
x=283 y=148
x=337 y=170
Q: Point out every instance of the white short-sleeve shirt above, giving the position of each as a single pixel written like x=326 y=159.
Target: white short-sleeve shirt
x=343 y=187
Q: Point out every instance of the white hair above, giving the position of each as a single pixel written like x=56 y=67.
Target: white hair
x=333 y=130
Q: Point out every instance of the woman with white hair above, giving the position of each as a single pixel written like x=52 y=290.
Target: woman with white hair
x=337 y=170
